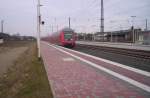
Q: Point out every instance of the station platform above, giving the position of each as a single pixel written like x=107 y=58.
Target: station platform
x=117 y=45
x=73 y=74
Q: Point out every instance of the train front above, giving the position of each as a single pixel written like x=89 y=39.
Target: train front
x=68 y=38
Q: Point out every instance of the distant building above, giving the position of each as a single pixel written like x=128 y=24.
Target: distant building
x=98 y=36
x=7 y=37
x=118 y=36
x=124 y=36
x=80 y=36
x=4 y=36
x=144 y=37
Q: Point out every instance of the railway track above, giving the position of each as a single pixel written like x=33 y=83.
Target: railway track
x=128 y=52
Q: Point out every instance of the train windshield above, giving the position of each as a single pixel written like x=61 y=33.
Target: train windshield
x=68 y=36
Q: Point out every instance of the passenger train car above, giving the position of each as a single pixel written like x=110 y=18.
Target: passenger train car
x=65 y=37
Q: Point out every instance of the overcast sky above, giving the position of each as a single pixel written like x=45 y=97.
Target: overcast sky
x=20 y=15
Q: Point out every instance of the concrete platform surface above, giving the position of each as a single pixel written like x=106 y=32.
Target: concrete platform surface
x=72 y=76
x=117 y=45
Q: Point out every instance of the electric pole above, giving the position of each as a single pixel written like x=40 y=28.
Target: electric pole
x=111 y=40
x=2 y=26
x=102 y=19
x=38 y=28
x=102 y=16
x=57 y=28
x=69 y=22
x=52 y=29
x=56 y=25
x=146 y=25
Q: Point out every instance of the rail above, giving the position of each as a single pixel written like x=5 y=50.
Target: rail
x=129 y=52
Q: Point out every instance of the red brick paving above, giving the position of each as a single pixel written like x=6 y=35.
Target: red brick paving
x=75 y=79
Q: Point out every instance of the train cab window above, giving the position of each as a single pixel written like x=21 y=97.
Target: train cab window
x=67 y=36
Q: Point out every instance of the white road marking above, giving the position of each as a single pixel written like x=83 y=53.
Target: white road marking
x=68 y=59
x=122 y=77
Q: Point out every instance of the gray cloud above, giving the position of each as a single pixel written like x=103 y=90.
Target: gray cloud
x=20 y=15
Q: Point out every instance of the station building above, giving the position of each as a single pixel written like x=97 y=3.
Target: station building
x=144 y=37
x=126 y=36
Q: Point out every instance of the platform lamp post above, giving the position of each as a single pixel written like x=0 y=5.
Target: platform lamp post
x=111 y=33
x=39 y=22
x=133 y=35
x=93 y=36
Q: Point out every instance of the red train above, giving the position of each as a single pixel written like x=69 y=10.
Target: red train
x=65 y=37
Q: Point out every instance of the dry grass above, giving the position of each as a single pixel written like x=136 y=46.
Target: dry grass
x=27 y=78
x=12 y=44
